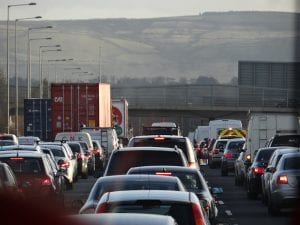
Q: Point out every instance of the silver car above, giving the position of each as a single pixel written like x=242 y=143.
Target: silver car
x=284 y=183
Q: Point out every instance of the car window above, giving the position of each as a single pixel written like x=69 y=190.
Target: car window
x=264 y=156
x=292 y=163
x=220 y=144
x=288 y=140
x=234 y=146
x=25 y=165
x=57 y=151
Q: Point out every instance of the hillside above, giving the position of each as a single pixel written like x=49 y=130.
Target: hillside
x=209 y=44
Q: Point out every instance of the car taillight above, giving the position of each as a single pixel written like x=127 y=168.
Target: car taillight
x=159 y=138
x=80 y=156
x=259 y=170
x=46 y=181
x=228 y=155
x=192 y=165
x=16 y=158
x=197 y=214
x=65 y=165
x=282 y=179
x=215 y=151
x=102 y=208
x=163 y=173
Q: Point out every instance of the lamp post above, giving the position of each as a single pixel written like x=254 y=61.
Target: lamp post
x=29 y=58
x=72 y=68
x=40 y=63
x=16 y=74
x=58 y=60
x=7 y=56
x=29 y=64
x=80 y=72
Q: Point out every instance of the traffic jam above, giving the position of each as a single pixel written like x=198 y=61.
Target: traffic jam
x=157 y=177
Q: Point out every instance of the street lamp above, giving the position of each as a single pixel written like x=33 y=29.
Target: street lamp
x=7 y=55
x=16 y=74
x=72 y=68
x=58 y=60
x=80 y=72
x=40 y=64
x=28 y=58
x=29 y=64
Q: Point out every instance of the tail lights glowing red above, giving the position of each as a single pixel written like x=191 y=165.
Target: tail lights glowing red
x=46 y=181
x=102 y=208
x=259 y=170
x=228 y=155
x=16 y=158
x=197 y=214
x=282 y=179
x=65 y=164
x=159 y=138
x=163 y=173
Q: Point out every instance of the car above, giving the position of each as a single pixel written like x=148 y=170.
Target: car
x=168 y=141
x=241 y=165
x=128 y=182
x=231 y=153
x=257 y=168
x=284 y=184
x=184 y=207
x=215 y=153
x=292 y=140
x=8 y=182
x=121 y=160
x=270 y=169
x=34 y=174
x=28 y=140
x=65 y=161
x=100 y=156
x=9 y=137
x=121 y=219
x=90 y=156
x=82 y=158
x=191 y=178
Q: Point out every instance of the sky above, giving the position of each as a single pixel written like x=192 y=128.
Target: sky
x=87 y=9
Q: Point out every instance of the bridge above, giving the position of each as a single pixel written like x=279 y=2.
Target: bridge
x=193 y=105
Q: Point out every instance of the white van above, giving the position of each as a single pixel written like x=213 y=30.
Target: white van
x=201 y=133
x=263 y=126
x=215 y=126
x=75 y=136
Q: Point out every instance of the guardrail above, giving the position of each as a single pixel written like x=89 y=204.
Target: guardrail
x=196 y=96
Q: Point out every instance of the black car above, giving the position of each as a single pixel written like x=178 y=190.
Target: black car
x=121 y=160
x=253 y=177
x=35 y=175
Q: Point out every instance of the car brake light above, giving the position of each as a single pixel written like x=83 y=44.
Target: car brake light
x=65 y=164
x=163 y=173
x=282 y=179
x=228 y=155
x=197 y=214
x=102 y=208
x=215 y=151
x=259 y=170
x=80 y=156
x=46 y=181
x=159 y=138
x=192 y=165
x=16 y=158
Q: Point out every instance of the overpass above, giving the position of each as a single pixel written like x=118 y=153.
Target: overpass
x=193 y=105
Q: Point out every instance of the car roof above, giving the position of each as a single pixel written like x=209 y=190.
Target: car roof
x=134 y=177
x=291 y=155
x=147 y=149
x=165 y=168
x=158 y=135
x=123 y=219
x=20 y=147
x=21 y=154
x=281 y=151
x=162 y=195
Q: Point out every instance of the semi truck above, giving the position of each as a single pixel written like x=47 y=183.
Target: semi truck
x=263 y=126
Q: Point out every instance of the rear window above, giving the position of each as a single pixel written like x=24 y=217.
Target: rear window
x=161 y=142
x=288 y=140
x=74 y=147
x=21 y=165
x=264 y=155
x=234 y=146
x=181 y=212
x=135 y=185
x=56 y=151
x=84 y=146
x=122 y=161
x=292 y=163
x=221 y=143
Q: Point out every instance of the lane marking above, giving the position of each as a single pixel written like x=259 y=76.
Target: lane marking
x=228 y=212
x=221 y=202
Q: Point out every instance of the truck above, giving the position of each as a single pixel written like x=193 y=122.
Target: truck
x=263 y=126
x=76 y=105
x=120 y=118
x=37 y=118
x=216 y=126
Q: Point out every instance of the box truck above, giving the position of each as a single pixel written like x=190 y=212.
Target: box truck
x=263 y=126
